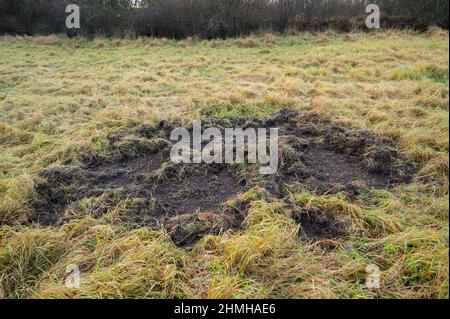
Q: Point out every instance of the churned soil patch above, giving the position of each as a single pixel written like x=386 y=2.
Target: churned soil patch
x=135 y=182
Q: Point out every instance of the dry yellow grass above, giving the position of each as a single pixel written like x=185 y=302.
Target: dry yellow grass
x=60 y=97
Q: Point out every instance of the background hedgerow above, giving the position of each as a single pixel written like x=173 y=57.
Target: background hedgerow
x=213 y=18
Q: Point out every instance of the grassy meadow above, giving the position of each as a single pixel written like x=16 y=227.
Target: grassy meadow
x=62 y=97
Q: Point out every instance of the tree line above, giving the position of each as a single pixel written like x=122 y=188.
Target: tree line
x=213 y=18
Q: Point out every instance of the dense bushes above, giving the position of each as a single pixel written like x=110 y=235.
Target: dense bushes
x=213 y=18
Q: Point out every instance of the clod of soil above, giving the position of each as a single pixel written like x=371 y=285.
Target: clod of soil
x=321 y=226
x=135 y=182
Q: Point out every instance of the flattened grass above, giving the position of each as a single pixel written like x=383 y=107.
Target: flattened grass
x=60 y=97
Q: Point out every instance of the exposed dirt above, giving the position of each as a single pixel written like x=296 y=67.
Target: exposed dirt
x=323 y=227
x=135 y=182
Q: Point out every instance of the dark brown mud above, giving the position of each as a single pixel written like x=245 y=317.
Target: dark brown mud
x=321 y=227
x=136 y=178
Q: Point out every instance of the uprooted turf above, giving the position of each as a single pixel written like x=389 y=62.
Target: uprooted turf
x=79 y=115
x=316 y=155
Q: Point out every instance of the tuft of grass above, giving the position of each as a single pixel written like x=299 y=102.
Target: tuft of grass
x=436 y=32
x=15 y=197
x=25 y=257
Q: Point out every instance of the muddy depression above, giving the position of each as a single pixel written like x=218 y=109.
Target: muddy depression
x=134 y=181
